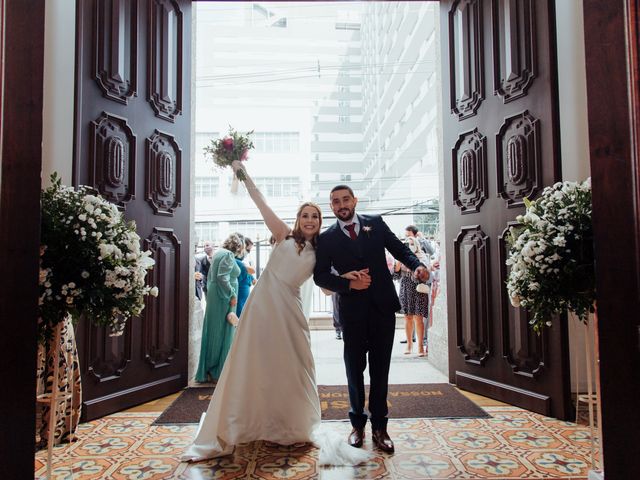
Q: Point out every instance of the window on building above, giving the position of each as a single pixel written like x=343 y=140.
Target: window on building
x=345 y=178
x=255 y=230
x=276 y=142
x=279 y=186
x=207 y=231
x=343 y=119
x=206 y=187
x=347 y=26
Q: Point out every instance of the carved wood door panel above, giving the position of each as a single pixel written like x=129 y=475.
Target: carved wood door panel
x=132 y=143
x=500 y=124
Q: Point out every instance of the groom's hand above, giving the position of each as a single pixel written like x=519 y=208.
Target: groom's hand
x=422 y=273
x=362 y=282
x=355 y=274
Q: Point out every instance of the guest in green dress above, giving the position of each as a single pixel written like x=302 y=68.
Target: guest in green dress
x=219 y=318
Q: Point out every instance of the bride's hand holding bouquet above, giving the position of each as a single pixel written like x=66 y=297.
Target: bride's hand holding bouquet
x=239 y=170
x=234 y=147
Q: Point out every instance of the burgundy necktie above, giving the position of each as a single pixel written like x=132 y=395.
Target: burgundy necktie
x=351 y=228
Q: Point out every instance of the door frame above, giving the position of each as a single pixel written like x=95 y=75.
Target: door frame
x=613 y=102
x=615 y=156
x=20 y=165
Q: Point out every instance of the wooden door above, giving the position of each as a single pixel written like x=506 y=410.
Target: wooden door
x=132 y=144
x=500 y=125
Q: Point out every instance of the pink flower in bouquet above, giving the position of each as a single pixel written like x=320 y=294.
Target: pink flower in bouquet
x=245 y=155
x=227 y=143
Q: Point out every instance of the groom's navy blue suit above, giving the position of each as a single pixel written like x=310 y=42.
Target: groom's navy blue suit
x=367 y=316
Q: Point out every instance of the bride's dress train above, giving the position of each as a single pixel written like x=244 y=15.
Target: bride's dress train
x=267 y=389
x=334 y=450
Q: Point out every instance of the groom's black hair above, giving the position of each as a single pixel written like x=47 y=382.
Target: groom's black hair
x=342 y=187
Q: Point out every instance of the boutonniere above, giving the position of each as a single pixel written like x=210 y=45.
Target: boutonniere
x=367 y=229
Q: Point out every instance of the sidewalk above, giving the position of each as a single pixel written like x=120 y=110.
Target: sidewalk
x=327 y=352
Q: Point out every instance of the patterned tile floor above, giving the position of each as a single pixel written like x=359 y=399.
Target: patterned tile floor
x=512 y=444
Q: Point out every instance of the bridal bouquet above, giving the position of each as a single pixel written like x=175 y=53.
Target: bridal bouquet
x=90 y=261
x=551 y=255
x=234 y=146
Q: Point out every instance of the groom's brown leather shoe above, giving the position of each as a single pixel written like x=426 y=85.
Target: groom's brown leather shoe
x=356 y=437
x=382 y=441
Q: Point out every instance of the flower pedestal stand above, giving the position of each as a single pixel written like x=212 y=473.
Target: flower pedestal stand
x=592 y=400
x=597 y=474
x=63 y=398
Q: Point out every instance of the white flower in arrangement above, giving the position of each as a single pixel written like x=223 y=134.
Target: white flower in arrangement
x=90 y=261
x=551 y=255
x=106 y=250
x=560 y=241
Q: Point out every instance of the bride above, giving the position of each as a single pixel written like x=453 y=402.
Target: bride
x=267 y=388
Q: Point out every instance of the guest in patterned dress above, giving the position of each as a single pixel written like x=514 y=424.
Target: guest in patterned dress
x=415 y=305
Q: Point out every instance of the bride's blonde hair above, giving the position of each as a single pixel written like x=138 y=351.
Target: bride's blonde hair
x=297 y=234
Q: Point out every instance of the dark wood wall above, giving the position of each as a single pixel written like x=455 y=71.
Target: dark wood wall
x=21 y=159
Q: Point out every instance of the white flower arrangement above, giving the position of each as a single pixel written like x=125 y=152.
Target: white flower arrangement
x=551 y=255
x=367 y=229
x=90 y=261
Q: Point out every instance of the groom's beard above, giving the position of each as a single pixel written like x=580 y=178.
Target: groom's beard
x=345 y=214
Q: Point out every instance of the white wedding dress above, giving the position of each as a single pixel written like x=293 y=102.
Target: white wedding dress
x=267 y=389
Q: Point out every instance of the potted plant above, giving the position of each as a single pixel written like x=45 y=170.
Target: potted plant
x=551 y=260
x=91 y=265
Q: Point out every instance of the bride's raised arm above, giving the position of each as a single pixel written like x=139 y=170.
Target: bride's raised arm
x=276 y=225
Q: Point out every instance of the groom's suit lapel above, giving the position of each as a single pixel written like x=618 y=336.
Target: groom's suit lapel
x=361 y=239
x=362 y=235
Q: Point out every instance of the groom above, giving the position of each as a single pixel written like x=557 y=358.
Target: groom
x=367 y=305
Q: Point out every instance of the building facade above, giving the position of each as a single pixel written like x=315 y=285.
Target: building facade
x=335 y=95
x=290 y=74
x=400 y=111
